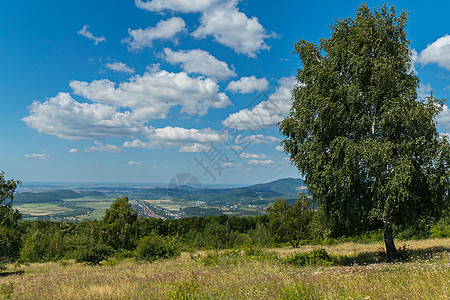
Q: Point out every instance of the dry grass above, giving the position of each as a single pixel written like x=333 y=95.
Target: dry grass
x=426 y=277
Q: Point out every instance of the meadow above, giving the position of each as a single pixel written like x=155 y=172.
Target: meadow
x=230 y=274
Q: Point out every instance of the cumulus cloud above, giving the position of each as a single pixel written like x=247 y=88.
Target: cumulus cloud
x=189 y=140
x=103 y=148
x=257 y=139
x=73 y=150
x=232 y=28
x=248 y=85
x=444 y=119
x=437 y=52
x=254 y=156
x=194 y=147
x=120 y=67
x=279 y=148
x=267 y=113
x=152 y=95
x=134 y=163
x=199 y=62
x=37 y=155
x=165 y=29
x=184 y=6
x=86 y=33
x=424 y=90
x=266 y=162
x=231 y=164
x=66 y=118
x=220 y=19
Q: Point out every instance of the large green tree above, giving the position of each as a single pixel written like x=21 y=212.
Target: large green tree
x=119 y=225
x=9 y=232
x=367 y=145
x=290 y=223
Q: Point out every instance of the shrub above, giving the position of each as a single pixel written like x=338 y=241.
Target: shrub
x=153 y=247
x=316 y=257
x=94 y=255
x=260 y=254
x=441 y=229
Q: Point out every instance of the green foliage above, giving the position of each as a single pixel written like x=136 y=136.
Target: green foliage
x=442 y=228
x=290 y=223
x=235 y=256
x=9 y=217
x=119 y=225
x=7 y=290
x=226 y=257
x=153 y=247
x=94 y=255
x=318 y=257
x=367 y=145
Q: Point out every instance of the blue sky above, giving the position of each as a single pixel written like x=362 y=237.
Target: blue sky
x=139 y=91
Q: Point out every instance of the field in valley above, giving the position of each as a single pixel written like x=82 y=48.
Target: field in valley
x=425 y=276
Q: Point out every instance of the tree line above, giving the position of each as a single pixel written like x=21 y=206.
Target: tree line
x=121 y=233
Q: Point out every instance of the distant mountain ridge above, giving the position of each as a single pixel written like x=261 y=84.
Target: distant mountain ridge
x=284 y=185
x=287 y=188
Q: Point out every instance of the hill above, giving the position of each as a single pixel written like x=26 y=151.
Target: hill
x=159 y=202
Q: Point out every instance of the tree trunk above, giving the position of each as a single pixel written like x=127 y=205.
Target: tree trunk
x=292 y=243
x=391 y=251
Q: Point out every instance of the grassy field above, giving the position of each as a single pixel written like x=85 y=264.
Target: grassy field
x=98 y=204
x=426 y=276
x=41 y=209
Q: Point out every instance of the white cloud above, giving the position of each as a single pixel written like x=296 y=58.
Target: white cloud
x=194 y=147
x=231 y=164
x=86 y=33
x=414 y=56
x=279 y=148
x=66 y=118
x=257 y=139
x=103 y=148
x=444 y=119
x=199 y=62
x=184 y=6
x=120 y=67
x=37 y=155
x=189 y=140
x=437 y=52
x=267 y=113
x=73 y=150
x=254 y=156
x=424 y=90
x=165 y=29
x=266 y=162
x=233 y=147
x=248 y=85
x=134 y=163
x=232 y=28
x=154 y=93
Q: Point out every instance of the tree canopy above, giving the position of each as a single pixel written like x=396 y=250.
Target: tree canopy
x=9 y=233
x=119 y=225
x=366 y=143
x=291 y=222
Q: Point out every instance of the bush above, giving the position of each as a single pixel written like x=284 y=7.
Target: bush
x=153 y=247
x=441 y=229
x=94 y=255
x=316 y=257
x=260 y=254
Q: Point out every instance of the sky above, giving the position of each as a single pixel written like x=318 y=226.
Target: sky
x=140 y=91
